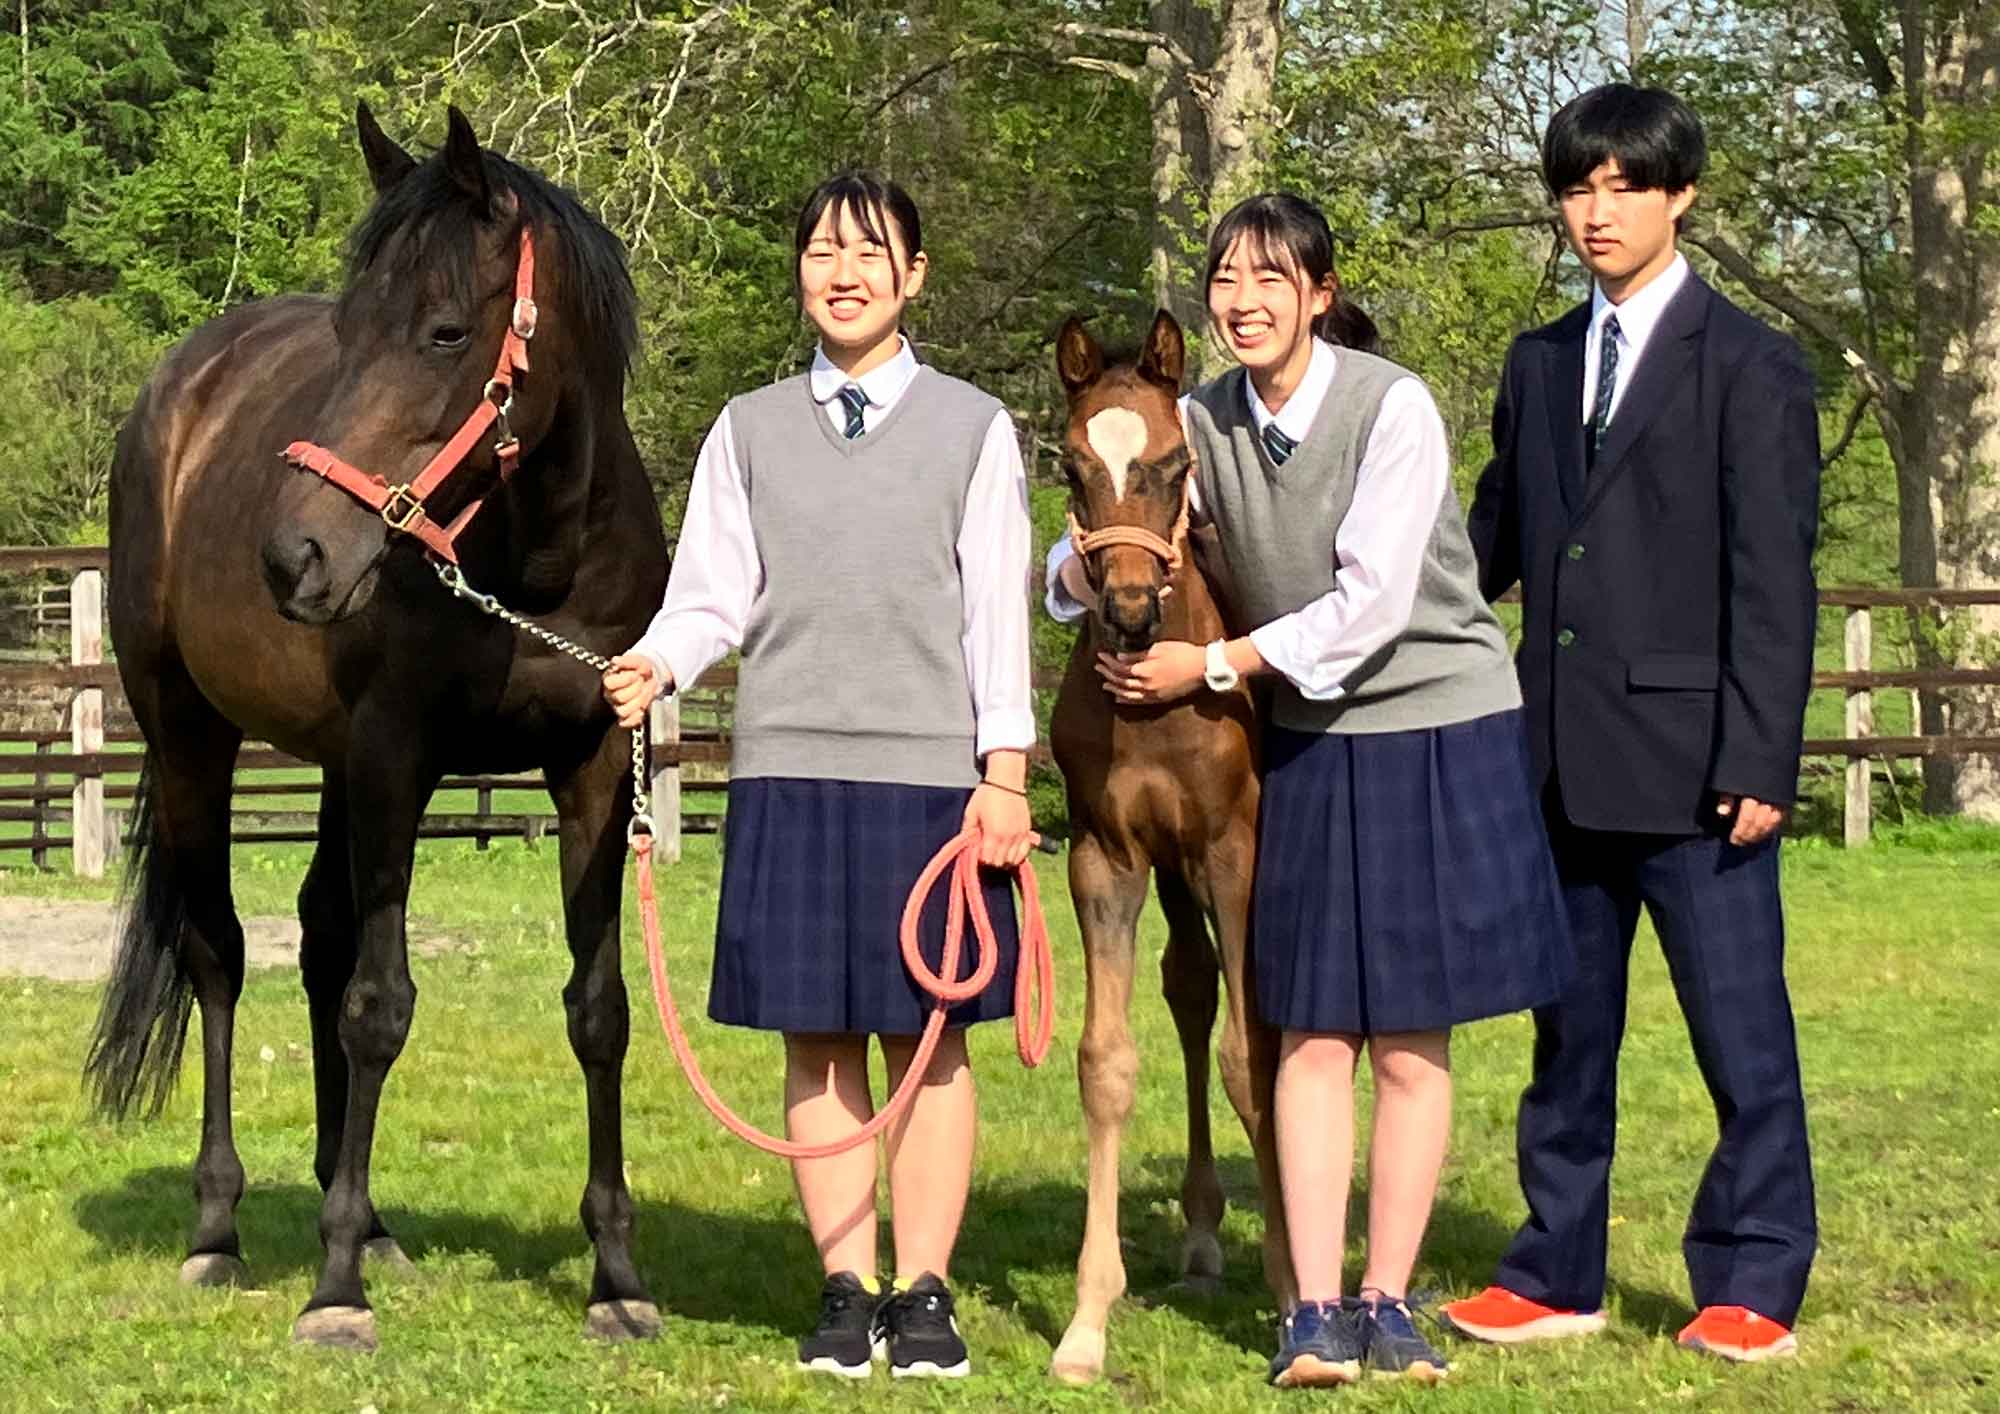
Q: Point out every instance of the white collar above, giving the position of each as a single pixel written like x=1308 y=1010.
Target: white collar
x=1640 y=313
x=1295 y=419
x=883 y=384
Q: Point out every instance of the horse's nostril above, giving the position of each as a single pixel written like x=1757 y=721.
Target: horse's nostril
x=289 y=560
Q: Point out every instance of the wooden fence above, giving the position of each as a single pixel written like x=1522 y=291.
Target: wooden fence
x=88 y=787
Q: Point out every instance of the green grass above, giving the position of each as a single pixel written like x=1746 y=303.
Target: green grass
x=479 y=1166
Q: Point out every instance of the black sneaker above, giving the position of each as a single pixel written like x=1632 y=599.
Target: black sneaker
x=1395 y=1350
x=922 y=1334
x=1319 y=1343
x=845 y=1341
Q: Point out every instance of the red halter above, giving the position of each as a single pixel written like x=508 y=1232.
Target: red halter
x=402 y=507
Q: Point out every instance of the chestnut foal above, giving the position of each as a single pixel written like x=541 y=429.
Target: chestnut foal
x=1168 y=792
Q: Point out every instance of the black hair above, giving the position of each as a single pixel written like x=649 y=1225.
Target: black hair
x=1291 y=234
x=443 y=219
x=1654 y=136
x=867 y=198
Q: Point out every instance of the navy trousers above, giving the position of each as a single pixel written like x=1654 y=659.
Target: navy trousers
x=1752 y=1232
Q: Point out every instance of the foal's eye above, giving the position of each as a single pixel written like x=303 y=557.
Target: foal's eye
x=449 y=336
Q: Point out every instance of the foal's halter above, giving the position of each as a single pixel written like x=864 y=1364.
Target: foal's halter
x=1167 y=551
x=402 y=507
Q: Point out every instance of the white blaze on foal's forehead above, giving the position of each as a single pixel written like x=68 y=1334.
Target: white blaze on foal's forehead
x=1118 y=436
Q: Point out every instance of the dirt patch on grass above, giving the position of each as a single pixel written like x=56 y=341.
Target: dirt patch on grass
x=66 y=940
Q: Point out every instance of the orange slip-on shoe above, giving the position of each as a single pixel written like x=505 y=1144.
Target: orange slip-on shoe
x=1738 y=1333
x=1499 y=1316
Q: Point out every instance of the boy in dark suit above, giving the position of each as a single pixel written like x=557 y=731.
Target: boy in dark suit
x=1655 y=491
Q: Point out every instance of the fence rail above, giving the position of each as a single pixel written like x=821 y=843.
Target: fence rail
x=95 y=778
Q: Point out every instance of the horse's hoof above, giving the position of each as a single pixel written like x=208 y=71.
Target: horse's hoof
x=1201 y=1259
x=337 y=1327
x=622 y=1320
x=214 y=1269
x=1079 y=1360
x=388 y=1253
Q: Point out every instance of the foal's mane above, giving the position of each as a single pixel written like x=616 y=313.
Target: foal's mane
x=443 y=220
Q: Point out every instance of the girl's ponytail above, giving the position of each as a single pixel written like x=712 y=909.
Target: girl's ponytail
x=1347 y=325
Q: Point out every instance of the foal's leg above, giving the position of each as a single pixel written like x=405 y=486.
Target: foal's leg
x=594 y=803
x=1248 y=1053
x=387 y=790
x=1188 y=976
x=327 y=948
x=1108 y=900
x=193 y=758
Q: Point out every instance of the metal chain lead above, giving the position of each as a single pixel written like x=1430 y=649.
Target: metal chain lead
x=454 y=580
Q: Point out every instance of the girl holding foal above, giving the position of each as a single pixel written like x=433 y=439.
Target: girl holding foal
x=1403 y=878
x=860 y=532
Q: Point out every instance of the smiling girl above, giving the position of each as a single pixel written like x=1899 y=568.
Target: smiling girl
x=1403 y=878
x=860 y=531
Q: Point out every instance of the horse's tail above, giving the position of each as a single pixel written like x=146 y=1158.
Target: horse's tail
x=135 y=1055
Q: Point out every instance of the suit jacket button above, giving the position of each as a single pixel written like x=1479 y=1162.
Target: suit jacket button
x=1576 y=552
x=1565 y=638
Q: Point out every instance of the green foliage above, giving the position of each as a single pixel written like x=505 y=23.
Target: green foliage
x=71 y=368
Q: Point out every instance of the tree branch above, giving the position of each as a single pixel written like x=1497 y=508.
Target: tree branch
x=1861 y=38
x=1808 y=317
x=1854 y=416
x=242 y=199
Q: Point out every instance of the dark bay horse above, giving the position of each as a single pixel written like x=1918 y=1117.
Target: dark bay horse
x=1166 y=794
x=252 y=598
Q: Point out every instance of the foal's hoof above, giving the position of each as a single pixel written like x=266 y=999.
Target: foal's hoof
x=1079 y=1360
x=337 y=1327
x=388 y=1253
x=622 y=1320
x=1201 y=1261
x=214 y=1269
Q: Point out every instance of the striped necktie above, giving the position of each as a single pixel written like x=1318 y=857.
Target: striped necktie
x=1278 y=444
x=1607 y=384
x=854 y=400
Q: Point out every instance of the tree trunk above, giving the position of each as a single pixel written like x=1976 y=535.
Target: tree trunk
x=1210 y=138
x=1950 y=530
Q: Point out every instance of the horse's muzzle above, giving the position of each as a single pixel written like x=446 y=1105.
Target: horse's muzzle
x=1131 y=617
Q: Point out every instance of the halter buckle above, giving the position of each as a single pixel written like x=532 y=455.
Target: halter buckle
x=402 y=510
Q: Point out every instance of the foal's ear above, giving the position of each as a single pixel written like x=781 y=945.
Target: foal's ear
x=388 y=164
x=1165 y=356
x=464 y=161
x=1079 y=361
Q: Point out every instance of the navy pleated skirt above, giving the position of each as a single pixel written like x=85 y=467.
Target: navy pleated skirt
x=1404 y=881
x=814 y=877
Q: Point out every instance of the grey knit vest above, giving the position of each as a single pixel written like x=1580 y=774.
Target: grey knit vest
x=852 y=664
x=1277 y=526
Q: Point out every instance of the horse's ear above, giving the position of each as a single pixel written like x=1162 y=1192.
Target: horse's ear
x=388 y=164
x=1079 y=361
x=464 y=161
x=1165 y=356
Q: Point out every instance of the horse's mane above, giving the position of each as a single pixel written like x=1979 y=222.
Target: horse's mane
x=443 y=219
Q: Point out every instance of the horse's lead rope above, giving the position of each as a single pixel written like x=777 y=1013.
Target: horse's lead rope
x=1034 y=975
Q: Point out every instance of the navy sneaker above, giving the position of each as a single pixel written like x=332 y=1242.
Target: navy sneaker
x=1320 y=1343
x=1395 y=1350
x=846 y=1341
x=922 y=1332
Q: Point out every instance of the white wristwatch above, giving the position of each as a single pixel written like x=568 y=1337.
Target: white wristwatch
x=1216 y=671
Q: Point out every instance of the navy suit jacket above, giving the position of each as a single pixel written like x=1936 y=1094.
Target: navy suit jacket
x=1667 y=592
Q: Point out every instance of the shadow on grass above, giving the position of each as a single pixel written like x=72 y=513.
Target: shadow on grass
x=755 y=1270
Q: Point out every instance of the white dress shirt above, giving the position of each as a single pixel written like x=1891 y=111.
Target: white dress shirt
x=1378 y=549
x=718 y=573
x=1638 y=317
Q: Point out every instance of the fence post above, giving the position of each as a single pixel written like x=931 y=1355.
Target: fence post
x=86 y=725
x=666 y=732
x=41 y=825
x=485 y=808
x=1860 y=723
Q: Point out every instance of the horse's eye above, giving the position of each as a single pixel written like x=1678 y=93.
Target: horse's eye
x=449 y=336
